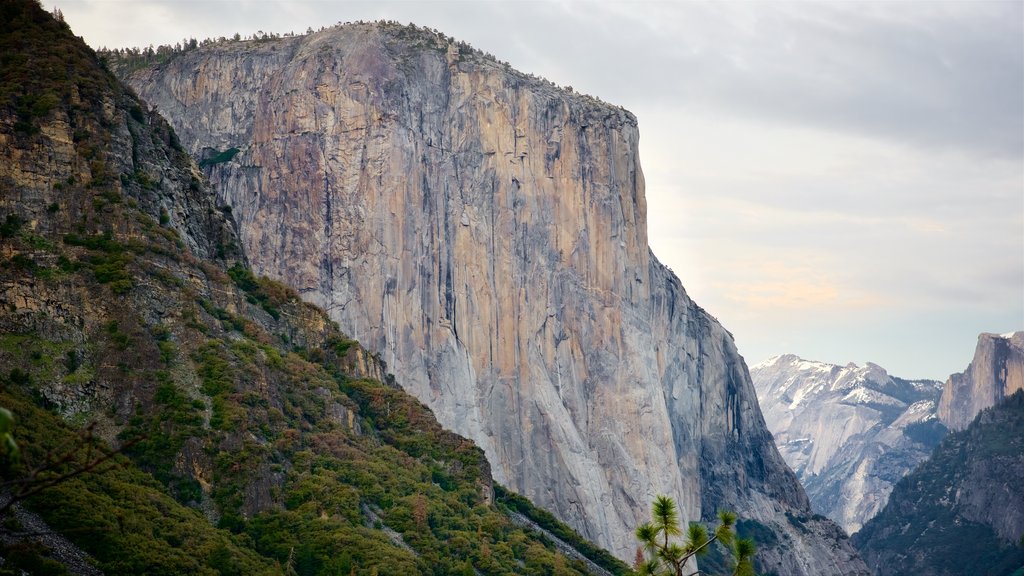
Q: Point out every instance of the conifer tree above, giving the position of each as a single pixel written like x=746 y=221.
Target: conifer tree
x=667 y=557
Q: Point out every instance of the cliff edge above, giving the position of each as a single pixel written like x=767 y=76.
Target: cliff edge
x=997 y=371
x=485 y=232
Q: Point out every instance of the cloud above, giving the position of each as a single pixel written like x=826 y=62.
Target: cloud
x=857 y=232
x=840 y=180
x=943 y=74
x=947 y=75
x=789 y=287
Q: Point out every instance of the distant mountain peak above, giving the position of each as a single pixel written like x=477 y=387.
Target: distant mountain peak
x=848 y=431
x=995 y=372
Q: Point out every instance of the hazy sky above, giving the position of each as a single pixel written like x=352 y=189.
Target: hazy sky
x=842 y=181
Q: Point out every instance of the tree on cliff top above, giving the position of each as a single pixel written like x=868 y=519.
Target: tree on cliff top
x=665 y=557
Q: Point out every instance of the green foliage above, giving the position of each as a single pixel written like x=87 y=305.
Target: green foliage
x=29 y=558
x=12 y=225
x=665 y=556
x=120 y=516
x=104 y=242
x=137 y=114
x=341 y=345
x=219 y=158
x=920 y=515
x=108 y=261
x=268 y=294
x=756 y=531
x=213 y=369
x=40 y=70
x=20 y=377
x=116 y=335
x=547 y=521
x=666 y=517
x=8 y=446
x=929 y=433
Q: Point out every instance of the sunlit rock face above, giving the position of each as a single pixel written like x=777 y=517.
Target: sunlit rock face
x=485 y=233
x=849 y=432
x=997 y=371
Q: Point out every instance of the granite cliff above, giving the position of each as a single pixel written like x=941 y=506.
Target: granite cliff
x=849 y=432
x=996 y=371
x=256 y=438
x=485 y=233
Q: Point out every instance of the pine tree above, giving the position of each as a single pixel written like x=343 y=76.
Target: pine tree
x=667 y=557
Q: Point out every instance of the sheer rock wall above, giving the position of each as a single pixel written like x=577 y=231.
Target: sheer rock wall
x=485 y=233
x=997 y=371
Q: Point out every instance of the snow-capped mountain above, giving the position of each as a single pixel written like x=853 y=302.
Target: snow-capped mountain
x=849 y=432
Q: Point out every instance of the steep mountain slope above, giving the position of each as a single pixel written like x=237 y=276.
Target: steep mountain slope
x=485 y=233
x=962 y=511
x=850 y=432
x=259 y=439
x=996 y=371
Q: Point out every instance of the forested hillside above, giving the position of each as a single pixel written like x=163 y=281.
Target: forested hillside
x=255 y=438
x=962 y=511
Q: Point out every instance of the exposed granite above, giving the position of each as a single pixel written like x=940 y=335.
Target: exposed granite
x=849 y=432
x=996 y=372
x=485 y=233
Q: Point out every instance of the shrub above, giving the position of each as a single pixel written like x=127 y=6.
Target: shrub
x=219 y=157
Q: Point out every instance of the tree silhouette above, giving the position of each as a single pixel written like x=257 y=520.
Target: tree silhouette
x=664 y=556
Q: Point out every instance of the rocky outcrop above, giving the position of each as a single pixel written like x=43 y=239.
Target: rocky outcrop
x=485 y=233
x=849 y=432
x=996 y=371
x=962 y=511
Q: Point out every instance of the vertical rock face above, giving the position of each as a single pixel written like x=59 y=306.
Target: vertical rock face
x=485 y=232
x=849 y=432
x=996 y=371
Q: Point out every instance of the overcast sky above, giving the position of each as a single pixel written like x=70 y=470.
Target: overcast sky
x=841 y=181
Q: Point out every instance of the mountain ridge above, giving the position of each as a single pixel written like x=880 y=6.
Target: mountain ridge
x=961 y=511
x=850 y=432
x=450 y=191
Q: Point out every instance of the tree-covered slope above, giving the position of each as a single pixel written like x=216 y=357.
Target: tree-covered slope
x=962 y=511
x=256 y=437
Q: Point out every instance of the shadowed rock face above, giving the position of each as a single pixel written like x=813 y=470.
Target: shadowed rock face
x=996 y=372
x=849 y=432
x=485 y=232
